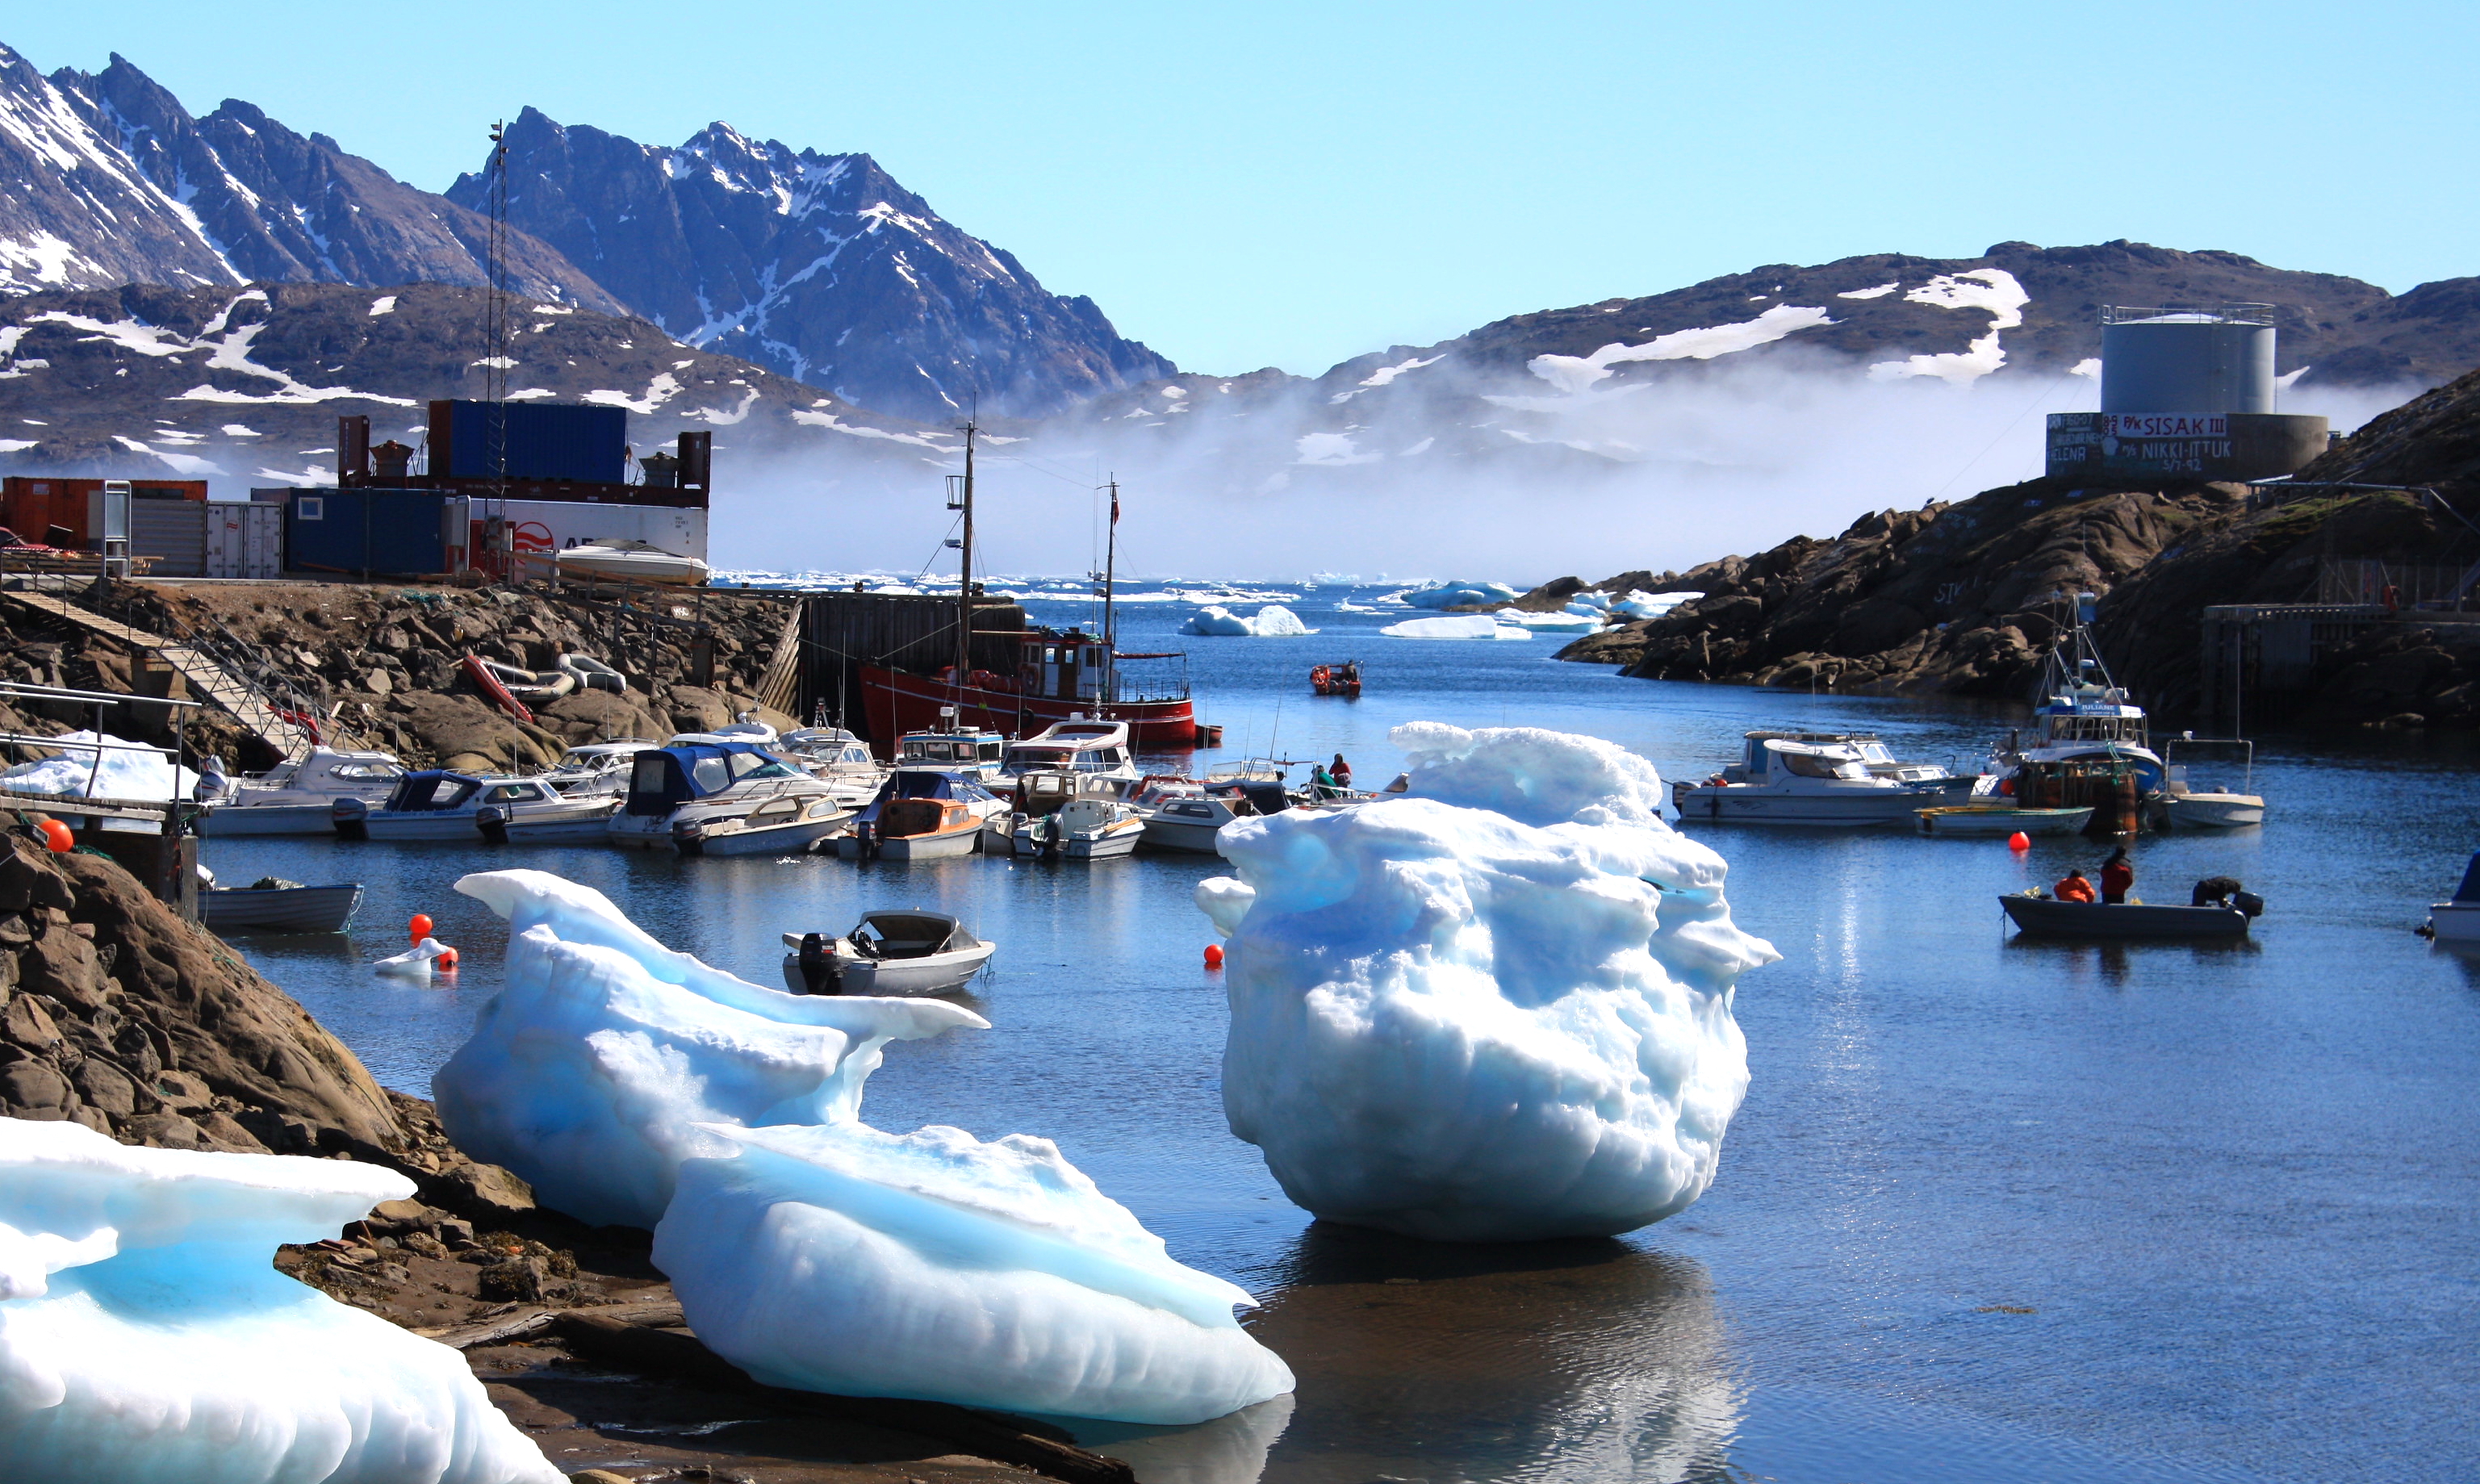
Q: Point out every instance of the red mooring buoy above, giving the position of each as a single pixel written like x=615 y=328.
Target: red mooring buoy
x=420 y=927
x=2019 y=840
x=1214 y=956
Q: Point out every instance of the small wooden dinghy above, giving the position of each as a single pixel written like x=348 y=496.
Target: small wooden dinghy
x=278 y=908
x=1983 y=820
x=886 y=953
x=2042 y=916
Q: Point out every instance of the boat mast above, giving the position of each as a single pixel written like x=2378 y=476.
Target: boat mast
x=964 y=577
x=1110 y=630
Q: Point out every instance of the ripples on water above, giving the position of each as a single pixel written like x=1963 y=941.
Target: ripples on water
x=2233 y=1188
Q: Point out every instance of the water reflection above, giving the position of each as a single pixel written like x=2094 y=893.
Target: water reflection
x=1586 y=1360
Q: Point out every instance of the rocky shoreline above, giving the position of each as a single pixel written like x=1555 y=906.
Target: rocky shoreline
x=117 y=1014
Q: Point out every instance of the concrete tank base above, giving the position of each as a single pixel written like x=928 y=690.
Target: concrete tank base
x=2102 y=445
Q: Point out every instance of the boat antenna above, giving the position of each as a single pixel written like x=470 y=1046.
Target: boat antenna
x=964 y=571
x=1110 y=577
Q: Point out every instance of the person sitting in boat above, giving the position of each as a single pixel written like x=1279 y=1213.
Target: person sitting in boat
x=1320 y=782
x=2215 y=891
x=1341 y=771
x=2117 y=876
x=2075 y=888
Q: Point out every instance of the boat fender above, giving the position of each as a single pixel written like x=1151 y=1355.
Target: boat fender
x=2248 y=902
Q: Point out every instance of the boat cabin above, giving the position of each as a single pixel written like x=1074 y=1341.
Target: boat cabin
x=968 y=747
x=1077 y=745
x=914 y=934
x=1826 y=755
x=662 y=779
x=433 y=790
x=2087 y=714
x=327 y=769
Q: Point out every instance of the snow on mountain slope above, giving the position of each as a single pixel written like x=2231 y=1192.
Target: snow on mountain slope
x=820 y=267
x=114 y=182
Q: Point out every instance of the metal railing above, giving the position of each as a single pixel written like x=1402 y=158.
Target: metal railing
x=2226 y=314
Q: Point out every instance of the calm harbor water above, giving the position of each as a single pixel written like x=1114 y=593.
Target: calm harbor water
x=1993 y=1212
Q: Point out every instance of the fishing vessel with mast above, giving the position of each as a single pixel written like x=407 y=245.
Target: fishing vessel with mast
x=1021 y=682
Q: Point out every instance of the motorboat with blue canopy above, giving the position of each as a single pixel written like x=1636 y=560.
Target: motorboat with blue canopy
x=701 y=779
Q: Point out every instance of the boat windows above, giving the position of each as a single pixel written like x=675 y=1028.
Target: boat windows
x=710 y=775
x=513 y=793
x=757 y=765
x=1815 y=766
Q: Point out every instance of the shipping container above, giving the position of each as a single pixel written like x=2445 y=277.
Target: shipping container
x=391 y=532
x=31 y=506
x=543 y=527
x=171 y=531
x=542 y=441
x=244 y=540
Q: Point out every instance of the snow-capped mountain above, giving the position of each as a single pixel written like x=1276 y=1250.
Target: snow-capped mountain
x=820 y=267
x=112 y=181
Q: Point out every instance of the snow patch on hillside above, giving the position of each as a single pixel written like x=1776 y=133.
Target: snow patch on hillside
x=1991 y=289
x=1572 y=373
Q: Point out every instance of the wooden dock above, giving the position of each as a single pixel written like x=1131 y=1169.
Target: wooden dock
x=207 y=679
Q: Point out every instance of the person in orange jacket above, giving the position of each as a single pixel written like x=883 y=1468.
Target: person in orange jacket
x=2075 y=888
x=2117 y=876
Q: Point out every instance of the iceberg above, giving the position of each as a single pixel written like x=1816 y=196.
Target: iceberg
x=840 y=1258
x=1460 y=594
x=1642 y=605
x=1497 y=1009
x=145 y=1337
x=1274 y=621
x=594 y=1070
x=1462 y=626
x=124 y=775
x=1562 y=622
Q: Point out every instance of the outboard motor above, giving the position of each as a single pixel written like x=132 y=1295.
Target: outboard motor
x=818 y=972
x=493 y=821
x=2248 y=902
x=351 y=817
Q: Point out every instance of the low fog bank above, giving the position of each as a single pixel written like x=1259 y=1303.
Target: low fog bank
x=1437 y=472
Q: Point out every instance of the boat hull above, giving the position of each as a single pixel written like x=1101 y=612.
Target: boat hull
x=1183 y=834
x=790 y=839
x=2044 y=917
x=1856 y=808
x=278 y=908
x=945 y=845
x=401 y=829
x=318 y=818
x=2455 y=922
x=935 y=974
x=1973 y=823
x=897 y=702
x=2212 y=811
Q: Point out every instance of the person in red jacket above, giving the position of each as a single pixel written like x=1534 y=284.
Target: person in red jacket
x=2117 y=876
x=2075 y=888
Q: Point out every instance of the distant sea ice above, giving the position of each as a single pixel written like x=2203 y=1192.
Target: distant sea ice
x=145 y=1337
x=1496 y=1008
x=930 y=1265
x=590 y=1073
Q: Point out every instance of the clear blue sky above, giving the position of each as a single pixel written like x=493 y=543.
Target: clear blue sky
x=1292 y=184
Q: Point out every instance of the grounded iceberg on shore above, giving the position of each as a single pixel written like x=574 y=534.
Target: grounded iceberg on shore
x=589 y=1072
x=1274 y=621
x=123 y=775
x=929 y=1264
x=1496 y=1010
x=146 y=1338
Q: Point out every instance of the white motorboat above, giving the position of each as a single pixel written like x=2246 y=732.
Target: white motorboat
x=1192 y=818
x=1087 y=746
x=967 y=750
x=836 y=758
x=636 y=560
x=1035 y=794
x=1824 y=779
x=922 y=814
x=434 y=805
x=592 y=768
x=786 y=825
x=886 y=954
x=2457 y=919
x=2183 y=804
x=1086 y=828
x=299 y=796
x=700 y=779
x=562 y=819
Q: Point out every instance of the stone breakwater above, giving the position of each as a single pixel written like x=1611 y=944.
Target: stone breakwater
x=383 y=662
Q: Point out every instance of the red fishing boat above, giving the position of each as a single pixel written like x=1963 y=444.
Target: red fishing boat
x=1059 y=676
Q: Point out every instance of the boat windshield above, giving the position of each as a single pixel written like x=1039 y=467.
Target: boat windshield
x=1820 y=765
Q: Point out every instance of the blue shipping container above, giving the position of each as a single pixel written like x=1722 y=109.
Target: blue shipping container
x=396 y=533
x=545 y=441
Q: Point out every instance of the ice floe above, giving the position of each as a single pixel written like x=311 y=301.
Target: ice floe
x=1497 y=1009
x=146 y=1334
x=1458 y=626
x=1458 y=594
x=589 y=1072
x=1273 y=622
x=931 y=1265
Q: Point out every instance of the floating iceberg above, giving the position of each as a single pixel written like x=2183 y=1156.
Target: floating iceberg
x=930 y=1265
x=145 y=1336
x=1498 y=1009
x=1274 y=621
x=124 y=775
x=1462 y=626
x=590 y=1071
x=1550 y=623
x=1460 y=594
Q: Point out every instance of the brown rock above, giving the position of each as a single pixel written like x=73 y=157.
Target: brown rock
x=165 y=1131
x=61 y=963
x=518 y=1280
x=225 y=1132
x=16 y=931
x=182 y=1091
x=106 y=1086
x=481 y=1193
x=27 y=1023
x=34 y=1090
x=696 y=709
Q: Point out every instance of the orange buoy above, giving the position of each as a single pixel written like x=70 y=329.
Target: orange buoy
x=421 y=926
x=2019 y=840
x=60 y=837
x=447 y=959
x=1214 y=956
